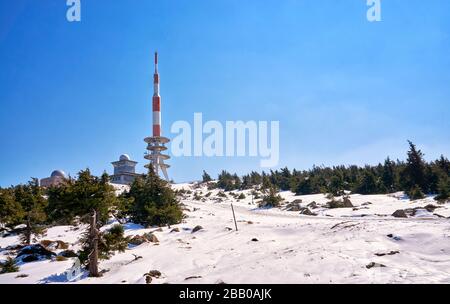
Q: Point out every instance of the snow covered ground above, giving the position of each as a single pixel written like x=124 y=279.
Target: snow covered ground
x=344 y=245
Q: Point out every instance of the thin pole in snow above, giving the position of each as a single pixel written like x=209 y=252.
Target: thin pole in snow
x=234 y=217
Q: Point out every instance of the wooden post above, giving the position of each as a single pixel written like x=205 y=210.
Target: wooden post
x=234 y=217
x=93 y=239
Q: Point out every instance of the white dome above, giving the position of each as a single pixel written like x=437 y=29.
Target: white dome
x=58 y=173
x=124 y=157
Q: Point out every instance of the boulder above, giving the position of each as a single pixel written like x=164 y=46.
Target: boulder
x=255 y=240
x=68 y=254
x=154 y=273
x=306 y=211
x=347 y=203
x=34 y=253
x=53 y=245
x=294 y=206
x=373 y=264
x=197 y=228
x=175 y=230
x=312 y=205
x=400 y=213
x=137 y=240
x=431 y=207
x=151 y=237
x=36 y=250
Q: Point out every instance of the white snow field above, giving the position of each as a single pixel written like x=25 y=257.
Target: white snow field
x=272 y=245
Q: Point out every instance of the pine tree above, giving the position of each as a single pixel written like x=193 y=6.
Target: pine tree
x=8 y=266
x=206 y=177
x=31 y=198
x=443 y=189
x=415 y=193
x=272 y=199
x=414 y=173
x=11 y=212
x=154 y=202
x=368 y=183
x=388 y=175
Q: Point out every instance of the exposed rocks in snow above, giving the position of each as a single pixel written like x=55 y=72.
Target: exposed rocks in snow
x=192 y=277
x=294 y=206
x=175 y=230
x=54 y=245
x=389 y=253
x=313 y=205
x=151 y=237
x=255 y=240
x=396 y=238
x=345 y=203
x=366 y=204
x=306 y=211
x=153 y=273
x=68 y=254
x=33 y=253
x=197 y=228
x=140 y=239
x=400 y=213
x=148 y=279
x=373 y=264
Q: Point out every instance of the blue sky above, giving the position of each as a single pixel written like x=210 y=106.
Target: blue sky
x=346 y=91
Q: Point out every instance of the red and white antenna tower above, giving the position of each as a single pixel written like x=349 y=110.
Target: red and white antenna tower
x=156 y=143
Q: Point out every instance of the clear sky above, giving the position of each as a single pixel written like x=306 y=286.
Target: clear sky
x=346 y=91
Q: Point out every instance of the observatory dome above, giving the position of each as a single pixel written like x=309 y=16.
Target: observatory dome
x=124 y=157
x=58 y=173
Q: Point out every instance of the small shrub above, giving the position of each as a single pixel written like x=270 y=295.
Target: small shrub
x=241 y=196
x=415 y=193
x=9 y=266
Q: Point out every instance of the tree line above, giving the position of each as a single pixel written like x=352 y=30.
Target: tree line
x=415 y=176
x=30 y=209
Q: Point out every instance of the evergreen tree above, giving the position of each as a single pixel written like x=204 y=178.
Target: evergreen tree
x=388 y=176
x=415 y=193
x=272 y=199
x=368 y=183
x=443 y=189
x=206 y=177
x=414 y=173
x=32 y=201
x=154 y=202
x=8 y=266
x=11 y=212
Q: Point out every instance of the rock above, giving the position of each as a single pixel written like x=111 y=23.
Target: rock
x=312 y=205
x=30 y=258
x=366 y=204
x=53 y=245
x=193 y=277
x=306 y=211
x=197 y=228
x=373 y=264
x=389 y=253
x=250 y=222
x=175 y=230
x=400 y=213
x=347 y=203
x=255 y=240
x=431 y=207
x=228 y=228
x=68 y=254
x=150 y=237
x=148 y=279
x=33 y=253
x=154 y=273
x=294 y=206
x=137 y=240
